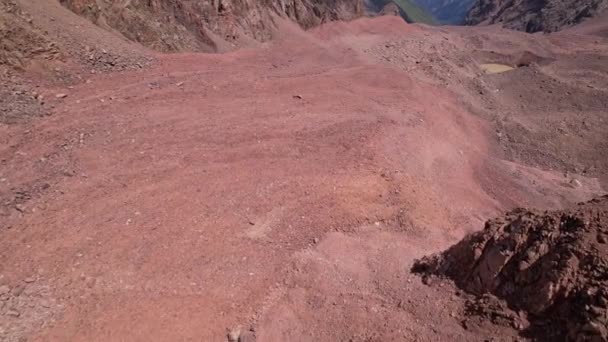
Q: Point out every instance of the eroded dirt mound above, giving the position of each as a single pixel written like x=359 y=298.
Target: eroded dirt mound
x=210 y=25
x=534 y=16
x=553 y=266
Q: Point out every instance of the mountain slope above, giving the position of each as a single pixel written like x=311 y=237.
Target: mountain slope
x=534 y=15
x=408 y=9
x=452 y=12
x=414 y=13
x=207 y=25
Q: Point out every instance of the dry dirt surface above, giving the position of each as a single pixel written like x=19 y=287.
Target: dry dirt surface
x=281 y=192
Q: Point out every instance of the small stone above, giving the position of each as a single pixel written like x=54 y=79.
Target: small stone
x=13 y=313
x=601 y=238
x=61 y=96
x=299 y=97
x=29 y=280
x=234 y=334
x=179 y=84
x=4 y=289
x=315 y=240
x=17 y=290
x=69 y=173
x=20 y=208
x=90 y=282
x=576 y=183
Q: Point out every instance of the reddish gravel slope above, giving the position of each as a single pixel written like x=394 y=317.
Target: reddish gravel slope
x=285 y=190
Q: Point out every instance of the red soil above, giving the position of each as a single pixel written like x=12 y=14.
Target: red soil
x=285 y=189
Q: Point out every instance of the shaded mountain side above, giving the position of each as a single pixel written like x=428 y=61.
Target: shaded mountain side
x=449 y=12
x=597 y=26
x=413 y=13
x=206 y=25
x=408 y=10
x=534 y=15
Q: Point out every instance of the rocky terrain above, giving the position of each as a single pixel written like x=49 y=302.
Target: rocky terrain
x=283 y=190
x=532 y=15
x=21 y=41
x=549 y=268
x=208 y=25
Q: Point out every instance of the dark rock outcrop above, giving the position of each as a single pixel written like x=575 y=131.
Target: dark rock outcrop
x=550 y=266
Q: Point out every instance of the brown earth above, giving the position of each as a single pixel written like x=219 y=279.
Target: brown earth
x=534 y=15
x=285 y=189
x=549 y=266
